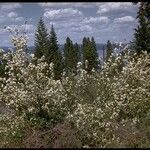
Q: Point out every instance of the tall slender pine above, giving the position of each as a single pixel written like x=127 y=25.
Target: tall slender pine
x=70 y=56
x=142 y=33
x=41 y=39
x=77 y=52
x=109 y=50
x=53 y=54
x=90 y=56
x=95 y=54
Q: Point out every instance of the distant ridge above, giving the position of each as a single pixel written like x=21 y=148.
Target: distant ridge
x=30 y=49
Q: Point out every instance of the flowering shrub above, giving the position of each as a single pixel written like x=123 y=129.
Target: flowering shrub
x=31 y=93
x=28 y=91
x=113 y=99
x=98 y=104
x=11 y=130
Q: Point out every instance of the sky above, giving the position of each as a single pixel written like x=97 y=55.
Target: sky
x=114 y=21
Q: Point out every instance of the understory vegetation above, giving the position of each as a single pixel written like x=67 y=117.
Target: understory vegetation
x=109 y=108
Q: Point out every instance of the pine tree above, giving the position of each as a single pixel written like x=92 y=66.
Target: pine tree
x=142 y=33
x=70 y=56
x=96 y=61
x=53 y=54
x=109 y=50
x=2 y=64
x=41 y=39
x=90 y=56
x=77 y=52
x=147 y=9
x=84 y=45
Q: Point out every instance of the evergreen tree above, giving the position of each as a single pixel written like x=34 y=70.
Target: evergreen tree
x=70 y=56
x=53 y=54
x=147 y=10
x=90 y=56
x=84 y=45
x=77 y=52
x=96 y=61
x=142 y=33
x=2 y=64
x=109 y=50
x=41 y=39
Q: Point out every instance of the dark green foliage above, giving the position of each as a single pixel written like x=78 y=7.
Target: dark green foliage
x=41 y=39
x=53 y=55
x=48 y=47
x=90 y=55
x=84 y=45
x=71 y=56
x=77 y=52
x=142 y=32
x=2 y=69
x=96 y=61
x=53 y=46
x=3 y=62
x=109 y=50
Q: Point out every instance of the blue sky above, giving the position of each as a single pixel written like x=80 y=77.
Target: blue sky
x=113 y=21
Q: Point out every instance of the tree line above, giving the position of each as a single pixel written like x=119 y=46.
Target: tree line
x=47 y=45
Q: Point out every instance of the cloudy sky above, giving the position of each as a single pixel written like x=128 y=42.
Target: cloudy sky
x=113 y=21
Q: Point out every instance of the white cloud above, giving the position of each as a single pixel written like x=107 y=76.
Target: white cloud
x=12 y=14
x=19 y=19
x=124 y=19
x=63 y=24
x=101 y=19
x=31 y=34
x=66 y=20
x=86 y=5
x=71 y=19
x=86 y=28
x=78 y=5
x=3 y=31
x=10 y=6
x=28 y=27
x=62 y=13
x=80 y=29
x=114 y=6
x=9 y=14
x=43 y=5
